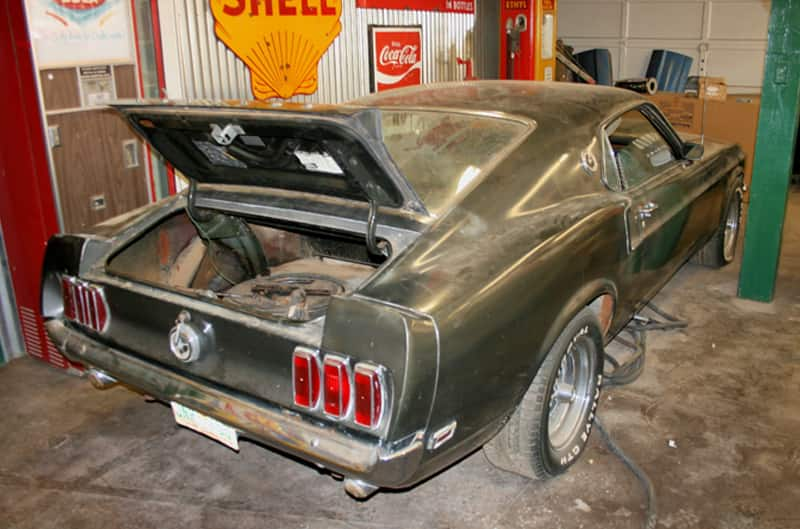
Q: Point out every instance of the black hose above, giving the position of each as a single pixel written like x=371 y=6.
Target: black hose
x=652 y=508
x=627 y=372
x=671 y=323
x=623 y=373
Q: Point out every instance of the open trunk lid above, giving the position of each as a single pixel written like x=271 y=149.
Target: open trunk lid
x=330 y=152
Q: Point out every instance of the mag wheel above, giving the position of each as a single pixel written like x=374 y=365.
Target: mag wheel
x=572 y=392
x=721 y=249
x=730 y=232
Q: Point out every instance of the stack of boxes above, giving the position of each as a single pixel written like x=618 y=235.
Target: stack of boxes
x=716 y=115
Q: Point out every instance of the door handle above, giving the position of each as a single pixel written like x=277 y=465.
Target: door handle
x=646 y=210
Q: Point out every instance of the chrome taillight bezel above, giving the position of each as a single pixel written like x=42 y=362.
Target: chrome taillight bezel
x=350 y=367
x=311 y=355
x=86 y=311
x=344 y=362
x=371 y=370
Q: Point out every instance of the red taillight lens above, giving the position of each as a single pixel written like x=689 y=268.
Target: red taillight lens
x=369 y=395
x=84 y=303
x=68 y=295
x=305 y=372
x=100 y=309
x=337 y=386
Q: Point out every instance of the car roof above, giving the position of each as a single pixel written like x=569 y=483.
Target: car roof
x=567 y=103
x=545 y=102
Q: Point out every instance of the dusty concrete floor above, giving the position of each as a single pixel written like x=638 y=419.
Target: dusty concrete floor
x=726 y=390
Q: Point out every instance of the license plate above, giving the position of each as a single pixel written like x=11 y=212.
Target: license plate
x=205 y=425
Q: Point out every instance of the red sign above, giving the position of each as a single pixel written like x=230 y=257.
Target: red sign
x=395 y=56
x=446 y=6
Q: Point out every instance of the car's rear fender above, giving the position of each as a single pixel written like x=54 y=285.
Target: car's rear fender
x=494 y=336
x=406 y=342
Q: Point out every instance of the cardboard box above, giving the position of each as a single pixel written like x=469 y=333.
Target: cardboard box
x=732 y=120
x=684 y=112
x=713 y=88
x=735 y=120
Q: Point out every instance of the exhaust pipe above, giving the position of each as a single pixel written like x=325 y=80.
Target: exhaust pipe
x=100 y=380
x=358 y=489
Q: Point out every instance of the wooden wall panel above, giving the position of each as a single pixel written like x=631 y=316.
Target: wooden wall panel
x=89 y=162
x=60 y=88
x=125 y=80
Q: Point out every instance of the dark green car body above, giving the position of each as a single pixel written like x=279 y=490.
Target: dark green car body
x=462 y=315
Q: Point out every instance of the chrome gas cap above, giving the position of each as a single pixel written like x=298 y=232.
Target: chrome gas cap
x=185 y=339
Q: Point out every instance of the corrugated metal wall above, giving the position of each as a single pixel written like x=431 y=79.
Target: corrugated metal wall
x=198 y=66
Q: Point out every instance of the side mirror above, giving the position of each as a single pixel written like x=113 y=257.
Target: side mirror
x=692 y=151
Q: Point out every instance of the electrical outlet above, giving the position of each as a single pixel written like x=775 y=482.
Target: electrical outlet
x=130 y=154
x=97 y=202
x=54 y=136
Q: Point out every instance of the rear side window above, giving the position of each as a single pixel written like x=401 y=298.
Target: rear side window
x=640 y=151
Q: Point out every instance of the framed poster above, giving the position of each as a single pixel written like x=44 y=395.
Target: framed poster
x=71 y=32
x=395 y=57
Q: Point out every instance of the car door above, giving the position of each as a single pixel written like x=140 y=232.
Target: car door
x=657 y=182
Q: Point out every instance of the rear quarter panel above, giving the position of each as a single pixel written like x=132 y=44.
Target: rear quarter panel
x=501 y=275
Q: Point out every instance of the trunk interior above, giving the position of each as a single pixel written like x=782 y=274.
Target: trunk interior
x=279 y=271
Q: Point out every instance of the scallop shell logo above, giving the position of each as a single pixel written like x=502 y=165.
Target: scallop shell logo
x=280 y=41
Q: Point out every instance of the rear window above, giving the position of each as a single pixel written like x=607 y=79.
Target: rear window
x=444 y=154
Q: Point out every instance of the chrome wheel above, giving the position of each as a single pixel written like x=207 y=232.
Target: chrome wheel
x=731 y=231
x=572 y=392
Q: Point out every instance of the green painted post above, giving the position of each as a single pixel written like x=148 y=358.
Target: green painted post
x=772 y=165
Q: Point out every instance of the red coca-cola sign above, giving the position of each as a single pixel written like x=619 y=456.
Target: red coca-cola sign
x=395 y=56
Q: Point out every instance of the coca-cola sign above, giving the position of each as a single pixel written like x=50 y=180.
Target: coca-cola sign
x=395 y=56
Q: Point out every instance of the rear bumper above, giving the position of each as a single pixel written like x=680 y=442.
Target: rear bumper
x=344 y=452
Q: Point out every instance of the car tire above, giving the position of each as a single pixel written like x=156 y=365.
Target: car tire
x=721 y=249
x=534 y=442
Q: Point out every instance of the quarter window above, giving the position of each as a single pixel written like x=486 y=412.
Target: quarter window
x=640 y=151
x=610 y=169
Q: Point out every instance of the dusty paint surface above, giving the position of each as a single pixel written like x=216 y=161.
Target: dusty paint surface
x=725 y=391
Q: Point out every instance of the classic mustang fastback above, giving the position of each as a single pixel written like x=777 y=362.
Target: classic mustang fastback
x=384 y=286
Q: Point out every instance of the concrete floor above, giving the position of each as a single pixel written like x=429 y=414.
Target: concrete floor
x=726 y=390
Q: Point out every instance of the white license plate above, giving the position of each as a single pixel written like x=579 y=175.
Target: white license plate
x=205 y=425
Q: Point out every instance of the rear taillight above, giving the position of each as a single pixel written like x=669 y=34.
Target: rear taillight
x=369 y=395
x=68 y=296
x=84 y=303
x=331 y=384
x=336 y=376
x=305 y=373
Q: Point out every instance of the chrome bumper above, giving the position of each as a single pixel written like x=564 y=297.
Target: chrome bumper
x=365 y=458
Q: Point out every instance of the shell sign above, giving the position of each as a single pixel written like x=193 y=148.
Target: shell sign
x=280 y=41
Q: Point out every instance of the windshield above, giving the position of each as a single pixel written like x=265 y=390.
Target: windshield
x=443 y=154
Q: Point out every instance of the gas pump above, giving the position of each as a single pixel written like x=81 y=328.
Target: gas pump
x=528 y=39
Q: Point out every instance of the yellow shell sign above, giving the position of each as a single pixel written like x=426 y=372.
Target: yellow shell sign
x=280 y=41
